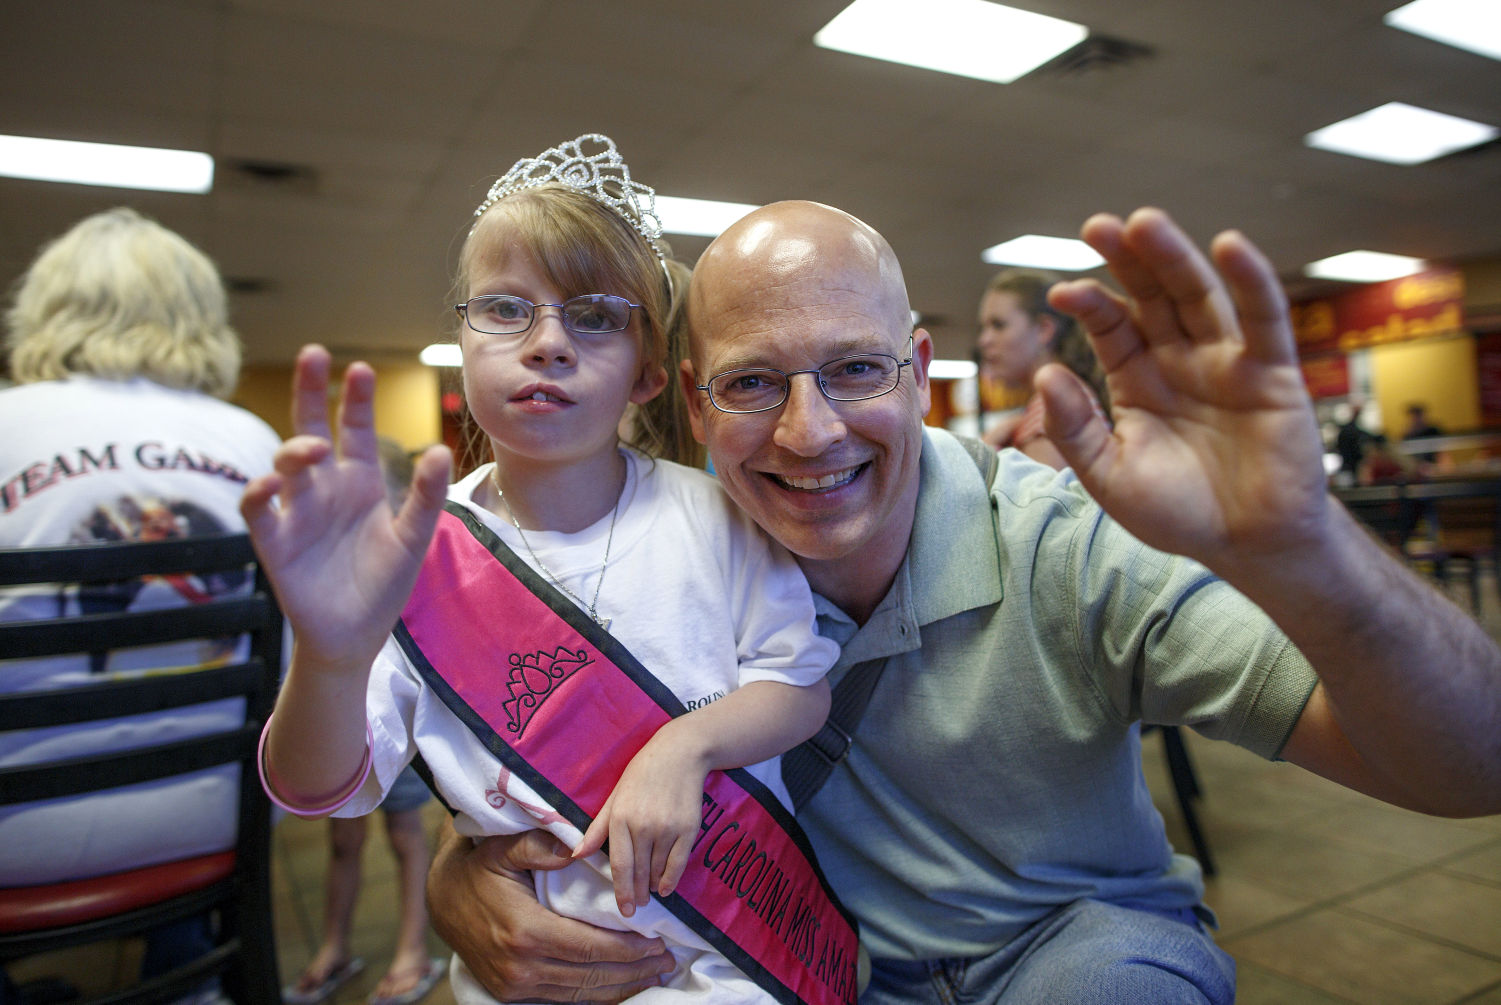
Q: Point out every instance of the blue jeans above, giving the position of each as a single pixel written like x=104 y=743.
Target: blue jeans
x=1087 y=952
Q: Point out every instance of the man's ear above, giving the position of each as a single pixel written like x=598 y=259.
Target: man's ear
x=653 y=378
x=694 y=399
x=922 y=355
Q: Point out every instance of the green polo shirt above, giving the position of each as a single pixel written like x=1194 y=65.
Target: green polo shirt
x=996 y=774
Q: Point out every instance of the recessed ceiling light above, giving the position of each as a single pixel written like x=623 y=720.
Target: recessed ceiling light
x=699 y=217
x=442 y=354
x=1399 y=133
x=106 y=164
x=1041 y=252
x=1364 y=267
x=952 y=369
x=1467 y=24
x=971 y=38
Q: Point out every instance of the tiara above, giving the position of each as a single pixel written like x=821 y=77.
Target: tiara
x=601 y=175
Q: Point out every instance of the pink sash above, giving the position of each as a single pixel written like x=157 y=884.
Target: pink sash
x=565 y=707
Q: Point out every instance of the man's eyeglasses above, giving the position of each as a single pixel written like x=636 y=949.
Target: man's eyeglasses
x=848 y=378
x=591 y=314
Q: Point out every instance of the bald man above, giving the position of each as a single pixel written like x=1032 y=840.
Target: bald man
x=989 y=826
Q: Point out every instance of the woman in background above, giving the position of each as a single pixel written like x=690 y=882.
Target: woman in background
x=1019 y=332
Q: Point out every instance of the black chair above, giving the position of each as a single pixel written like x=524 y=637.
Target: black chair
x=1466 y=518
x=234 y=885
x=1186 y=789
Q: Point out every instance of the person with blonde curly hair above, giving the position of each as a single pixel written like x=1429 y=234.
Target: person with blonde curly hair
x=119 y=342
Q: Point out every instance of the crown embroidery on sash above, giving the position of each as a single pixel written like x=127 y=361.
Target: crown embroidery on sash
x=536 y=676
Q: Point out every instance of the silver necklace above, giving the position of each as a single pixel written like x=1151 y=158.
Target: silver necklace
x=593 y=607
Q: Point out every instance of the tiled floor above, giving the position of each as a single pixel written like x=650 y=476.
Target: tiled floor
x=1324 y=896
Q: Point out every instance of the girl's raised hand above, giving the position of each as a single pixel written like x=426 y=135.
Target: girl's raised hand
x=342 y=563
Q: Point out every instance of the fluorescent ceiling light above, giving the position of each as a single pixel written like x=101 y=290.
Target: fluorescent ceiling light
x=699 y=217
x=1364 y=267
x=106 y=164
x=1399 y=133
x=972 y=38
x=952 y=369
x=1041 y=252
x=1468 y=24
x=442 y=354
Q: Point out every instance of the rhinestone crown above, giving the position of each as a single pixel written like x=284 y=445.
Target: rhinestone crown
x=590 y=165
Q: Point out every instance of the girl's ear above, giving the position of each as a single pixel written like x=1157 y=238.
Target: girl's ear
x=649 y=384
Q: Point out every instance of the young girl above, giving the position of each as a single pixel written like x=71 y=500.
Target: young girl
x=629 y=569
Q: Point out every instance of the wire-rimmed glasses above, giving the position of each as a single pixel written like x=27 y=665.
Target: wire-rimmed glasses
x=848 y=378
x=590 y=314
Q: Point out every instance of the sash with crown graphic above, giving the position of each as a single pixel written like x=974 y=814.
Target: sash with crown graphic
x=565 y=706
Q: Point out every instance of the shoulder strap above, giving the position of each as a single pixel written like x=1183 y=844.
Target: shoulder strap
x=806 y=766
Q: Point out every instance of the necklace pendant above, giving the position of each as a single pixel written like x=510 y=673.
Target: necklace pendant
x=603 y=622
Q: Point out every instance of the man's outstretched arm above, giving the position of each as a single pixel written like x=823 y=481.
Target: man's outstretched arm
x=1215 y=454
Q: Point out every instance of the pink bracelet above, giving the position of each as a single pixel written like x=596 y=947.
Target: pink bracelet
x=361 y=773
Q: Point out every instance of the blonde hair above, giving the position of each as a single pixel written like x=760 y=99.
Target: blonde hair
x=1070 y=346
x=583 y=246
x=120 y=296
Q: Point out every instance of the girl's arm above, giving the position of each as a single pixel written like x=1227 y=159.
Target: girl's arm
x=342 y=565
x=653 y=815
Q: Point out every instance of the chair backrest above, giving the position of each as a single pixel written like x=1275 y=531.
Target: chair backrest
x=1383 y=509
x=234 y=885
x=1467 y=513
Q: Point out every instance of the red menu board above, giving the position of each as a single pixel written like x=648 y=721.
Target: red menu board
x=1422 y=305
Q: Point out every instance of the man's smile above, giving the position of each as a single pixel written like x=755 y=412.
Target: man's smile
x=814 y=483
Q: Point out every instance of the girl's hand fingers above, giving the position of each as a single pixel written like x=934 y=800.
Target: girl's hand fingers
x=255 y=504
x=310 y=392
x=357 y=438
x=594 y=838
x=622 y=869
x=641 y=872
x=672 y=870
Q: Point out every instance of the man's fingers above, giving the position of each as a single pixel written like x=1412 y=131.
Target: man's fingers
x=1103 y=315
x=588 y=969
x=512 y=853
x=1258 y=296
x=1177 y=275
x=1072 y=423
x=1146 y=306
x=310 y=392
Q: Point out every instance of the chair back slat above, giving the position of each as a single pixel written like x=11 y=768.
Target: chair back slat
x=75 y=775
x=103 y=563
x=134 y=696
x=86 y=633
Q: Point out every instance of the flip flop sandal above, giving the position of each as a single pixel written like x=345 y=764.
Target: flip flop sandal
x=430 y=978
x=336 y=978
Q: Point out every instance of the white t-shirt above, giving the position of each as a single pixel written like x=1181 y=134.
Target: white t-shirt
x=87 y=460
x=702 y=598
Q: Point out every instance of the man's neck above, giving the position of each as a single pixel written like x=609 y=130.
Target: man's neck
x=857 y=595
